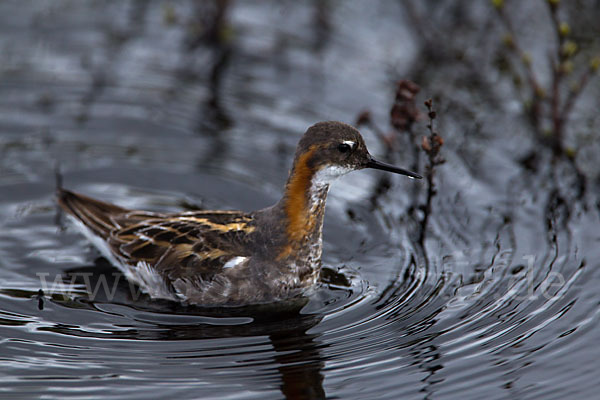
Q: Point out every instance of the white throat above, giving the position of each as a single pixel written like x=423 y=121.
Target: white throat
x=320 y=184
x=327 y=175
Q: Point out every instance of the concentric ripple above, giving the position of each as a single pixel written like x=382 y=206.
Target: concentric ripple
x=383 y=323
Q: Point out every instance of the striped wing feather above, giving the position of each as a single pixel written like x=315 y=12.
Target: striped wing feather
x=187 y=245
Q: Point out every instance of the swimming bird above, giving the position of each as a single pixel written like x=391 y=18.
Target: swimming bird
x=231 y=258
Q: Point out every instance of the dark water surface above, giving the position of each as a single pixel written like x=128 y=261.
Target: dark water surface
x=143 y=106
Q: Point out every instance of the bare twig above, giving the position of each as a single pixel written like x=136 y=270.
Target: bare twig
x=431 y=145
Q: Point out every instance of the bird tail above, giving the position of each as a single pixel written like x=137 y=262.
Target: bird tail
x=96 y=215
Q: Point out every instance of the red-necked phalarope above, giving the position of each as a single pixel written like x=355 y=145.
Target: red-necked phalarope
x=231 y=257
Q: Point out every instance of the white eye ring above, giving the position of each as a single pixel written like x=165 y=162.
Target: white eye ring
x=349 y=143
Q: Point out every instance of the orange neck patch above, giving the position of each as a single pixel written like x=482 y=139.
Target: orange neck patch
x=296 y=197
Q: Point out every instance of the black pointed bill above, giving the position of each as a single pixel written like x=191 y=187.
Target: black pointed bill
x=373 y=163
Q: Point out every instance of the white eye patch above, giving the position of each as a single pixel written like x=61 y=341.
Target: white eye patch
x=349 y=143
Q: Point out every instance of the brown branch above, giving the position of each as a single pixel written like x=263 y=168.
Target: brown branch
x=431 y=145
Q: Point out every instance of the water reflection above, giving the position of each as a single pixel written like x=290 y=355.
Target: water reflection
x=296 y=353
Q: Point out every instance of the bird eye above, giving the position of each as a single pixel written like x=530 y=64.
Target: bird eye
x=344 y=147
